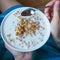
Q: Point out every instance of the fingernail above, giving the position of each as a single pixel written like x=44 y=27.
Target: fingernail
x=48 y=17
x=57 y=4
x=46 y=14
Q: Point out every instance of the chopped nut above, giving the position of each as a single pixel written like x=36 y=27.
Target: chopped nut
x=34 y=44
x=23 y=42
x=26 y=25
x=28 y=44
x=16 y=38
x=19 y=17
x=31 y=41
x=11 y=40
x=9 y=35
x=42 y=27
x=41 y=40
x=17 y=12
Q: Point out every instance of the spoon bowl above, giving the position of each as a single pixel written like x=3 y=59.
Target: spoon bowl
x=28 y=12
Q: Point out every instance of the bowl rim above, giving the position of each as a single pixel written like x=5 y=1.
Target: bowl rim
x=16 y=48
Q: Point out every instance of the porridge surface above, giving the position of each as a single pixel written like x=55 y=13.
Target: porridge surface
x=25 y=32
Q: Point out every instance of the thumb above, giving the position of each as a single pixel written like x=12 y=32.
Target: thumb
x=56 y=9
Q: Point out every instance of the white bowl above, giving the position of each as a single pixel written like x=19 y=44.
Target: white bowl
x=34 y=48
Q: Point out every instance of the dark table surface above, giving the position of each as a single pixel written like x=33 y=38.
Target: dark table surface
x=34 y=3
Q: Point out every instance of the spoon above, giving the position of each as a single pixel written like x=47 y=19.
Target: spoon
x=30 y=11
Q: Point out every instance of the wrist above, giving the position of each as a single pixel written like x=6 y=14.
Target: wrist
x=17 y=57
x=56 y=38
x=56 y=34
x=24 y=56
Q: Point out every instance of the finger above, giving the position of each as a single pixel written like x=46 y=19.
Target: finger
x=49 y=4
x=7 y=47
x=49 y=10
x=28 y=56
x=13 y=51
x=56 y=9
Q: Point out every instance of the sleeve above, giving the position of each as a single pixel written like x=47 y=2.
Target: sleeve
x=4 y=53
x=9 y=10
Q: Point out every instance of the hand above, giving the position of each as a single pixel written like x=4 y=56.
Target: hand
x=54 y=17
x=20 y=55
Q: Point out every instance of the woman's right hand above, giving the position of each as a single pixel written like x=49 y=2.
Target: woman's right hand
x=54 y=17
x=20 y=55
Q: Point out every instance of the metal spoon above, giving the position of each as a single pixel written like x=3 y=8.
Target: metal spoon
x=30 y=11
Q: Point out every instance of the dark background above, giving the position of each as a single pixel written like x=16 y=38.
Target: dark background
x=34 y=3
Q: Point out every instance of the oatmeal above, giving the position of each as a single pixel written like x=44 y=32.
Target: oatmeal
x=25 y=32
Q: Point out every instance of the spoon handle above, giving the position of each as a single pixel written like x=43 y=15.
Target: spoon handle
x=42 y=8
